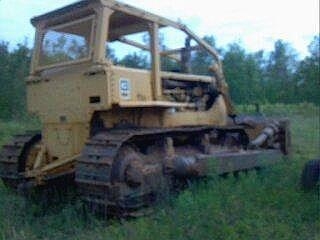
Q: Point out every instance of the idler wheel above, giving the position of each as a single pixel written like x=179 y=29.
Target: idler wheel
x=133 y=175
x=127 y=167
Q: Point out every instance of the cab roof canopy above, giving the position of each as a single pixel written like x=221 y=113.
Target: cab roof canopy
x=125 y=20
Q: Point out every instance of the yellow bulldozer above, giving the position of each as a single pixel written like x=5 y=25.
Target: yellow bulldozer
x=125 y=135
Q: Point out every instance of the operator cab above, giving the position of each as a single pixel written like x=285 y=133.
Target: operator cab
x=82 y=34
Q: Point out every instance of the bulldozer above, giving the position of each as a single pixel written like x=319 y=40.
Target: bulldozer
x=125 y=135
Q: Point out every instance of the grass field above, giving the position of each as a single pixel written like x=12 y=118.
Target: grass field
x=264 y=205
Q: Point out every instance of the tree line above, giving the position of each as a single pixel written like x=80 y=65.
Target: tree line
x=260 y=77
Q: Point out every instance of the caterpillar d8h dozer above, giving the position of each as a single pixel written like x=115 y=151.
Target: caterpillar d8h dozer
x=127 y=135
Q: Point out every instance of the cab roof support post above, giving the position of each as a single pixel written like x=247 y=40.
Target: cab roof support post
x=101 y=29
x=37 y=48
x=156 y=68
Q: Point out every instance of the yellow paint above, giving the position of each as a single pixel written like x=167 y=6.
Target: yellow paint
x=65 y=96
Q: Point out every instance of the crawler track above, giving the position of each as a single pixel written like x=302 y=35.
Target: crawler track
x=98 y=176
x=13 y=158
x=93 y=170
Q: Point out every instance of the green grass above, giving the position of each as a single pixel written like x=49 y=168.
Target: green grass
x=264 y=205
x=7 y=129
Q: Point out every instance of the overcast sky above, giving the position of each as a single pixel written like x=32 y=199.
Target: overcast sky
x=256 y=24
